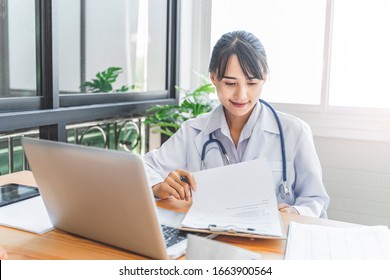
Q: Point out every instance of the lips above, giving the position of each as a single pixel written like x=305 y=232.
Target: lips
x=239 y=104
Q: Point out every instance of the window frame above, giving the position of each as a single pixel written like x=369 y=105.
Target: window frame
x=371 y=124
x=325 y=120
x=52 y=111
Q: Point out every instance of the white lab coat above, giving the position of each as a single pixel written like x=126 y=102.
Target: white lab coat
x=183 y=151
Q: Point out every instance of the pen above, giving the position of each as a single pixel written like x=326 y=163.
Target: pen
x=184 y=179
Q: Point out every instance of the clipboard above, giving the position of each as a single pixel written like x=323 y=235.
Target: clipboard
x=235 y=200
x=234 y=231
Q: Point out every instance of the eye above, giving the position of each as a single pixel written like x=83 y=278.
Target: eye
x=253 y=82
x=229 y=83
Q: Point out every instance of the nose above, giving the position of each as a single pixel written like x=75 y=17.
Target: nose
x=242 y=92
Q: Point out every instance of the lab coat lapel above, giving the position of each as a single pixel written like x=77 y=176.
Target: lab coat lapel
x=257 y=144
x=198 y=141
x=206 y=126
x=257 y=141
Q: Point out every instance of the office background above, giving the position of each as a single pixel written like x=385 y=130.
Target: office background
x=327 y=67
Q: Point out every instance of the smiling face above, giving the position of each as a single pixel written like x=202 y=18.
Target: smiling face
x=237 y=93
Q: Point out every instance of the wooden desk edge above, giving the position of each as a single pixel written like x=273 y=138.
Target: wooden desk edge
x=57 y=244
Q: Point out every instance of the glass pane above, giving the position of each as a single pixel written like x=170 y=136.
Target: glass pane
x=124 y=40
x=360 y=54
x=292 y=33
x=17 y=48
x=12 y=158
x=118 y=134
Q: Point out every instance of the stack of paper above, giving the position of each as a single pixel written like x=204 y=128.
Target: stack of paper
x=315 y=242
x=29 y=215
x=237 y=198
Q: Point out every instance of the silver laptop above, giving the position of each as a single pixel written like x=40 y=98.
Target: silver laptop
x=102 y=195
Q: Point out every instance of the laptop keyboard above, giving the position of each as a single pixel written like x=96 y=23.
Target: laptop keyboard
x=172 y=235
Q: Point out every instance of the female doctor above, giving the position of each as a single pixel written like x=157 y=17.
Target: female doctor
x=241 y=129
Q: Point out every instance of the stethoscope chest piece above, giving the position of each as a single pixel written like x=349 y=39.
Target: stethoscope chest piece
x=284 y=190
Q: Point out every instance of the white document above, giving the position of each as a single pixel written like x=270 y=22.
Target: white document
x=315 y=242
x=237 y=198
x=200 y=248
x=28 y=215
x=169 y=217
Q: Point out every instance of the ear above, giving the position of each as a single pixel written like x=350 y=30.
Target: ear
x=265 y=77
x=213 y=78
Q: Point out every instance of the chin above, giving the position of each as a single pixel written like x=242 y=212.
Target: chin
x=241 y=112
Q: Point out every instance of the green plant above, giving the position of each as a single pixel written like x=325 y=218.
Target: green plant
x=166 y=119
x=104 y=81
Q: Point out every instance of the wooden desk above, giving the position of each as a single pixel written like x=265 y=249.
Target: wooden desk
x=58 y=244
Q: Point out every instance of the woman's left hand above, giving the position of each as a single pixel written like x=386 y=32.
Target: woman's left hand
x=283 y=207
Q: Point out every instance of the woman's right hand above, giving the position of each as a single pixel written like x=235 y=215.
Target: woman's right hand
x=178 y=184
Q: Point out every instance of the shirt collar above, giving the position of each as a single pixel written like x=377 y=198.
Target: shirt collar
x=217 y=120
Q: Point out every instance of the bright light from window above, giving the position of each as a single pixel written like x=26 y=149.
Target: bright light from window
x=360 y=65
x=293 y=35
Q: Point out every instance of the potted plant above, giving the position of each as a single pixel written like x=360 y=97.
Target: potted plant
x=167 y=119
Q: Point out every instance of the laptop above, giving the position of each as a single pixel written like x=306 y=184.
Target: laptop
x=102 y=195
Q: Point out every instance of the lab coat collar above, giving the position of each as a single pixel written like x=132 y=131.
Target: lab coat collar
x=205 y=123
x=212 y=121
x=216 y=119
x=268 y=121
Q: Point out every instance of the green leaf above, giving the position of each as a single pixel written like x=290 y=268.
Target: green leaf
x=104 y=81
x=170 y=117
x=207 y=88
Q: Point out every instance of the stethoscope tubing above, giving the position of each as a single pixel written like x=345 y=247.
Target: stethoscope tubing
x=282 y=145
x=284 y=189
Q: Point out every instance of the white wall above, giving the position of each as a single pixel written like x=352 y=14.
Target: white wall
x=357 y=177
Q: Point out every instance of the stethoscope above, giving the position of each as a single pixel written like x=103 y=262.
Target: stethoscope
x=284 y=189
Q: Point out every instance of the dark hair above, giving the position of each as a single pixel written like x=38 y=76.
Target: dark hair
x=249 y=50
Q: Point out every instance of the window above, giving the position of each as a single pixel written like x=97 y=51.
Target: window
x=329 y=59
x=95 y=35
x=17 y=49
x=49 y=48
x=331 y=53
x=360 y=59
x=292 y=33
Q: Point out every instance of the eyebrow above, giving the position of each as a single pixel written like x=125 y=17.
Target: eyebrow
x=227 y=77
x=233 y=78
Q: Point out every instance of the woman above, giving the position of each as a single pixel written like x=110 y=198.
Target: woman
x=246 y=128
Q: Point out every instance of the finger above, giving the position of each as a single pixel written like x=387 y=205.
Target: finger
x=158 y=190
x=165 y=191
x=283 y=205
x=185 y=187
x=183 y=181
x=190 y=179
x=187 y=190
x=172 y=182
